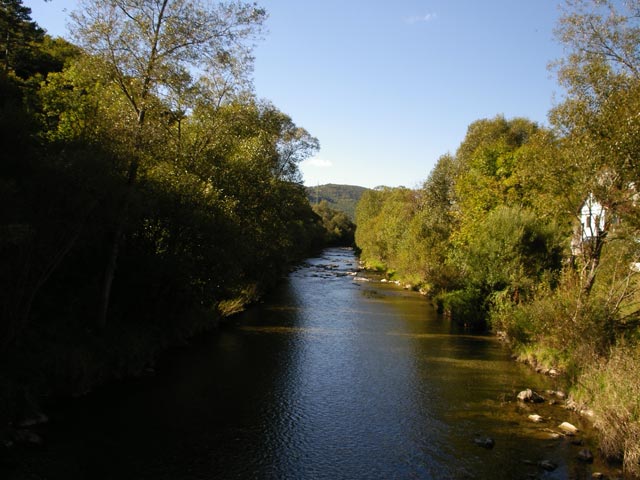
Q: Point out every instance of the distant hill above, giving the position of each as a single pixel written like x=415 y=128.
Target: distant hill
x=343 y=198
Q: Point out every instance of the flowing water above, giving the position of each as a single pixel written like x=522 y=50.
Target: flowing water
x=334 y=376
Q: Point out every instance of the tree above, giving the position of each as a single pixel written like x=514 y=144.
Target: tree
x=434 y=223
x=599 y=118
x=487 y=162
x=17 y=32
x=339 y=229
x=150 y=48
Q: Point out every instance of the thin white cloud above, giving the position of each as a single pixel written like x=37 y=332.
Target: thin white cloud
x=428 y=17
x=318 y=162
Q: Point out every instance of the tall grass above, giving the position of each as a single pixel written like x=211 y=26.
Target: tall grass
x=611 y=387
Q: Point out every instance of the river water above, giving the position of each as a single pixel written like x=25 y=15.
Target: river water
x=332 y=377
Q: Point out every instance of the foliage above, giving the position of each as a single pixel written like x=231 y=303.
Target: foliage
x=339 y=230
x=382 y=216
x=512 y=251
x=193 y=181
x=460 y=233
x=18 y=33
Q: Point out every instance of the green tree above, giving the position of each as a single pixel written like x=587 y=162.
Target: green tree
x=149 y=49
x=487 y=162
x=340 y=230
x=433 y=225
x=368 y=234
x=599 y=118
x=512 y=250
x=18 y=33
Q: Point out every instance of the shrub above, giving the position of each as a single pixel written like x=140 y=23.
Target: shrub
x=465 y=307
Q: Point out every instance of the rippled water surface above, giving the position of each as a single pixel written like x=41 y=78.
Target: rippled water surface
x=332 y=377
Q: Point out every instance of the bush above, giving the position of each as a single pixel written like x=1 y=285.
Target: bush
x=465 y=307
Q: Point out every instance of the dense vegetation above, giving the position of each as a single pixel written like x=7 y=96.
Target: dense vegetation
x=145 y=190
x=492 y=236
x=343 y=198
x=339 y=229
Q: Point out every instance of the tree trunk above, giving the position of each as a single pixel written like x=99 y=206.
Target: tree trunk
x=118 y=237
x=29 y=284
x=591 y=267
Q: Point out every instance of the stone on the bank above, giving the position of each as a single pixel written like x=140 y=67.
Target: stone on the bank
x=485 y=442
x=568 y=428
x=536 y=418
x=529 y=395
x=585 y=455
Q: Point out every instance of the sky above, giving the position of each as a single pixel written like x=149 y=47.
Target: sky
x=389 y=86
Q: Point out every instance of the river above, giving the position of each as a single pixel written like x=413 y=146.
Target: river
x=333 y=376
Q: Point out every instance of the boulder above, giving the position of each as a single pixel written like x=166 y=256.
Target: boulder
x=529 y=395
x=568 y=428
x=536 y=418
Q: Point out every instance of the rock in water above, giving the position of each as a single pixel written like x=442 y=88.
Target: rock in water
x=485 y=442
x=585 y=455
x=547 y=465
x=529 y=395
x=567 y=428
x=536 y=418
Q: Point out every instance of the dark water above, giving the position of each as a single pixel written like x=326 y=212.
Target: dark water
x=330 y=378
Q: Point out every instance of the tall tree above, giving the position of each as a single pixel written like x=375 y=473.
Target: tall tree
x=599 y=118
x=17 y=32
x=151 y=48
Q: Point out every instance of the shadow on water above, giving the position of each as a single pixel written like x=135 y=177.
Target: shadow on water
x=334 y=376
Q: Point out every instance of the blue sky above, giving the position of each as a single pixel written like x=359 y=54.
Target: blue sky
x=390 y=86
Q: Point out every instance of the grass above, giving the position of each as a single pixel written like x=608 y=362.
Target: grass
x=611 y=387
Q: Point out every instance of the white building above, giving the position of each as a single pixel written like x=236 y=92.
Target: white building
x=592 y=219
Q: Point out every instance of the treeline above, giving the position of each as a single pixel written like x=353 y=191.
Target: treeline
x=145 y=191
x=339 y=229
x=500 y=234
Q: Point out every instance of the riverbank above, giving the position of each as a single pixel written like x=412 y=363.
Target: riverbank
x=58 y=360
x=606 y=392
x=565 y=334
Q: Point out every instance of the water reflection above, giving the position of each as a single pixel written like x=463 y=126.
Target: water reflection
x=330 y=378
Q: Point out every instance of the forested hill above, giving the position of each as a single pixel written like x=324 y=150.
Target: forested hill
x=339 y=197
